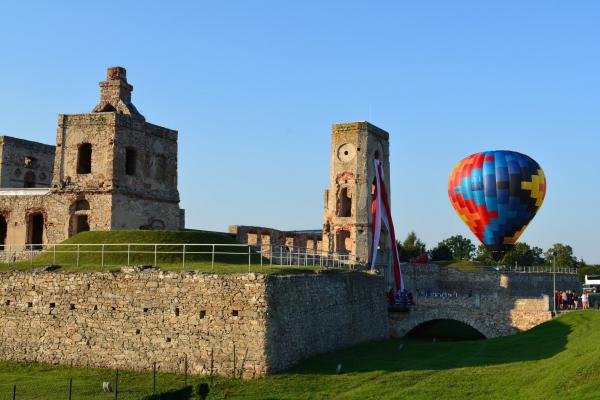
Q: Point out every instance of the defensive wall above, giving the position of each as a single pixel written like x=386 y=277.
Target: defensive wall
x=496 y=303
x=530 y=284
x=235 y=325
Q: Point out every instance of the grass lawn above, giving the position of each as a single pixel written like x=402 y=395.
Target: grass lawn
x=198 y=247
x=556 y=360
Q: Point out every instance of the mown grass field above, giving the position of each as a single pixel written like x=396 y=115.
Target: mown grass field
x=230 y=256
x=556 y=360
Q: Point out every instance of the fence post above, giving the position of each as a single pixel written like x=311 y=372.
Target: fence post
x=14 y=392
x=70 y=387
x=30 y=254
x=155 y=251
x=102 y=255
x=212 y=259
x=185 y=366
x=270 y=254
x=117 y=385
x=128 y=253
x=154 y=377
x=183 y=257
x=212 y=365
x=78 y=255
x=261 y=256
x=249 y=261
x=54 y=255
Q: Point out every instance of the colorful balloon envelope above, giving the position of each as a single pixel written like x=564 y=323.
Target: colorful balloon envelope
x=497 y=193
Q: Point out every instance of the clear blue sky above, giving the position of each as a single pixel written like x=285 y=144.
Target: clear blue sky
x=253 y=88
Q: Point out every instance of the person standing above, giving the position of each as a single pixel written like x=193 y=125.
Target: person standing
x=585 y=300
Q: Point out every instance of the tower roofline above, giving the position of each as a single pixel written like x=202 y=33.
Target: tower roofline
x=360 y=125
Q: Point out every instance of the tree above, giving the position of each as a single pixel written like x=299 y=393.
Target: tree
x=564 y=255
x=441 y=253
x=461 y=247
x=484 y=256
x=411 y=247
x=520 y=254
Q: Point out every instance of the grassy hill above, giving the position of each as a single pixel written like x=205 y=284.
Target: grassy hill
x=556 y=360
x=161 y=248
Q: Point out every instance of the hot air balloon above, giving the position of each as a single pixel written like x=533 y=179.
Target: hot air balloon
x=497 y=193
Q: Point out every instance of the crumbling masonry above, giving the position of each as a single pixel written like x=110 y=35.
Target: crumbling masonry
x=110 y=170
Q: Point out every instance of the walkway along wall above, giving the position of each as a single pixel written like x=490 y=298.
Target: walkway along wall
x=243 y=324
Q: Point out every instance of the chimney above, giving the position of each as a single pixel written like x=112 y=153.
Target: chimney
x=115 y=93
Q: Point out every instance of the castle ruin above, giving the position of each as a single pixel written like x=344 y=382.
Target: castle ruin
x=109 y=170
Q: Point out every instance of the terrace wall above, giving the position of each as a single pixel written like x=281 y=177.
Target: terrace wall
x=241 y=324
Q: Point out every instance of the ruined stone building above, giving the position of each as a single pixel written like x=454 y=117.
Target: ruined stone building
x=109 y=170
x=347 y=225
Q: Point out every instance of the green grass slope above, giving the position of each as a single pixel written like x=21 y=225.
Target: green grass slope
x=161 y=248
x=556 y=360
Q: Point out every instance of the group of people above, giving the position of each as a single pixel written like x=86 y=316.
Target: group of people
x=401 y=298
x=570 y=300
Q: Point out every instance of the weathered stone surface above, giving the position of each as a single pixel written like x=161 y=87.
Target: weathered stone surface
x=127 y=181
x=492 y=315
x=242 y=324
x=347 y=208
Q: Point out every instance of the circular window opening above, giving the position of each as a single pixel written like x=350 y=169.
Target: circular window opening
x=346 y=152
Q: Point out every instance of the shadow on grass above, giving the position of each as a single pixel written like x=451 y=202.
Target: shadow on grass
x=184 y=393
x=541 y=342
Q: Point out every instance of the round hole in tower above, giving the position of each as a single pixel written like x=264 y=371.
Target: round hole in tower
x=346 y=152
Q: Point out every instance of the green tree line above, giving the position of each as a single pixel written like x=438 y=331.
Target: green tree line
x=460 y=248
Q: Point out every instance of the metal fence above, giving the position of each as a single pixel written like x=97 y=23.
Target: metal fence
x=174 y=254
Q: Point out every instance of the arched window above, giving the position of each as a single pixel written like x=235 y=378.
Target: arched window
x=35 y=231
x=81 y=205
x=84 y=159
x=130 y=161
x=344 y=203
x=29 y=179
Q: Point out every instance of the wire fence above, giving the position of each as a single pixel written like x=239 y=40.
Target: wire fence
x=41 y=381
x=180 y=255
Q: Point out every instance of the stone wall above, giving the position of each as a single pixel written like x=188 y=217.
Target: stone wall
x=309 y=240
x=247 y=324
x=435 y=277
x=24 y=163
x=313 y=314
x=58 y=210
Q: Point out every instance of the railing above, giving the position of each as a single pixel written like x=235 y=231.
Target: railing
x=535 y=269
x=174 y=254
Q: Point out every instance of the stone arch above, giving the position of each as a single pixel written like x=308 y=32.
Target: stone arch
x=422 y=330
x=36 y=228
x=418 y=317
x=80 y=215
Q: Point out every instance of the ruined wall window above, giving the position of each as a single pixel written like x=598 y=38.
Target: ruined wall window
x=343 y=243
x=130 y=161
x=344 y=203
x=29 y=179
x=84 y=159
x=36 y=230
x=81 y=224
x=3 y=227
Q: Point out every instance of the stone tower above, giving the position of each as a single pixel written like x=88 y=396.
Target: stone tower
x=347 y=213
x=115 y=162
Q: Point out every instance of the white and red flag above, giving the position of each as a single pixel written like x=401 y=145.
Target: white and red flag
x=380 y=211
